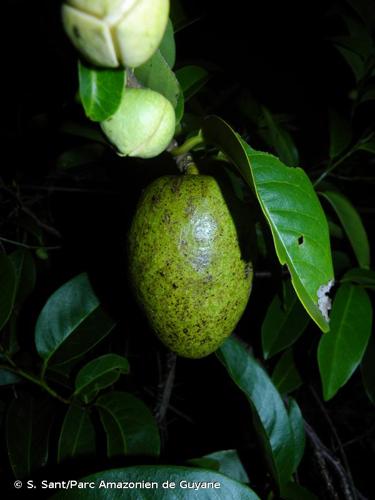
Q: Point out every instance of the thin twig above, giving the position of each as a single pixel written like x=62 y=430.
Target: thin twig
x=165 y=388
x=336 y=436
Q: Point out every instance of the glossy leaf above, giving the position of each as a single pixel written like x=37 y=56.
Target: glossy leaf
x=155 y=74
x=98 y=374
x=284 y=323
x=363 y=277
x=285 y=375
x=71 y=322
x=293 y=212
x=280 y=140
x=340 y=134
x=341 y=350
x=77 y=436
x=352 y=224
x=368 y=370
x=28 y=424
x=269 y=414
x=100 y=90
x=192 y=79
x=226 y=461
x=130 y=427
x=8 y=288
x=24 y=266
x=167 y=46
x=298 y=431
x=157 y=476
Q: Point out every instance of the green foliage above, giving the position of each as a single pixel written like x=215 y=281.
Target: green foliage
x=8 y=287
x=77 y=436
x=129 y=425
x=100 y=91
x=293 y=212
x=270 y=416
x=226 y=462
x=285 y=375
x=342 y=348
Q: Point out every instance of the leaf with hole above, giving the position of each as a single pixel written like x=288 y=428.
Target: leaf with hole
x=270 y=417
x=71 y=322
x=156 y=475
x=341 y=349
x=100 y=90
x=352 y=224
x=293 y=212
x=98 y=374
x=129 y=425
x=77 y=435
x=284 y=322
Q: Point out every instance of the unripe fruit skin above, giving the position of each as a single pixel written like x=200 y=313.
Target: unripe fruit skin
x=143 y=125
x=111 y=33
x=186 y=265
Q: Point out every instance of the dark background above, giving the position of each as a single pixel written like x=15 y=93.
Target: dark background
x=281 y=54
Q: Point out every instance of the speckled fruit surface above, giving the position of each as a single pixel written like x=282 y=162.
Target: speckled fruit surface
x=186 y=264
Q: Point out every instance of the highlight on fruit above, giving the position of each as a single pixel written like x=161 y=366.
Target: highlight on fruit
x=189 y=271
x=143 y=125
x=112 y=33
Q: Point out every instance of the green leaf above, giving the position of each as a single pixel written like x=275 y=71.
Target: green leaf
x=284 y=323
x=71 y=322
x=285 y=375
x=368 y=370
x=168 y=46
x=340 y=134
x=100 y=90
x=155 y=74
x=8 y=378
x=280 y=140
x=226 y=461
x=130 y=427
x=352 y=224
x=269 y=414
x=353 y=60
x=298 y=431
x=363 y=277
x=368 y=146
x=24 y=266
x=293 y=212
x=77 y=436
x=98 y=374
x=192 y=79
x=294 y=491
x=82 y=155
x=164 y=483
x=8 y=288
x=28 y=425
x=341 y=349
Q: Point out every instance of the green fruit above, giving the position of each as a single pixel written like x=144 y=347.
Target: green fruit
x=187 y=265
x=116 y=32
x=143 y=125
